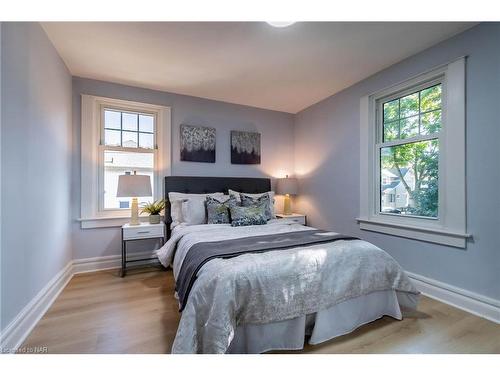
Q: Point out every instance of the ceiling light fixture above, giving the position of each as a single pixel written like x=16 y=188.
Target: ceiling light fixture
x=280 y=24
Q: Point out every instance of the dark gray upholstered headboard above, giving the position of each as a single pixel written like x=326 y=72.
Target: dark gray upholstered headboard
x=203 y=185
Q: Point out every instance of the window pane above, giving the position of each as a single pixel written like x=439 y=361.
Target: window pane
x=431 y=122
x=117 y=163
x=129 y=139
x=391 y=131
x=391 y=110
x=146 y=123
x=409 y=127
x=430 y=98
x=409 y=179
x=129 y=121
x=112 y=137
x=422 y=107
x=409 y=105
x=112 y=119
x=145 y=140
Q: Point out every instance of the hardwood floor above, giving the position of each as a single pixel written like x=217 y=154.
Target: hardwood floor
x=103 y=313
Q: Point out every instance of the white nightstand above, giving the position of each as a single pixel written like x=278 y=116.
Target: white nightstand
x=298 y=218
x=143 y=231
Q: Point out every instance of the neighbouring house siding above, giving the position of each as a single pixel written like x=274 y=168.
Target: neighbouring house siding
x=327 y=163
x=394 y=194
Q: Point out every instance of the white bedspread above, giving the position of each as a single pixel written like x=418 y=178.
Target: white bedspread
x=271 y=286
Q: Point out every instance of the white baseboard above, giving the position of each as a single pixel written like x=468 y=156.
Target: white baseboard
x=477 y=304
x=107 y=262
x=18 y=330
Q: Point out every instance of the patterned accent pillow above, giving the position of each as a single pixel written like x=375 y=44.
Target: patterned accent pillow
x=217 y=211
x=251 y=215
x=257 y=195
x=264 y=199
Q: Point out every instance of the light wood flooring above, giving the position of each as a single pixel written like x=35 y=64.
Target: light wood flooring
x=102 y=313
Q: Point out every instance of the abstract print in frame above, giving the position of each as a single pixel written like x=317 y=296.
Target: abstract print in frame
x=197 y=144
x=245 y=147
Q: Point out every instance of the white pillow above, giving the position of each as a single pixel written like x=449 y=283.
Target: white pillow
x=175 y=211
x=271 y=197
x=194 y=211
x=177 y=201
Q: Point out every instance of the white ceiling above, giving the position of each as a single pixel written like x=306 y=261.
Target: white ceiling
x=250 y=63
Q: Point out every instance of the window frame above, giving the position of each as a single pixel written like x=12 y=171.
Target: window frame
x=449 y=228
x=93 y=213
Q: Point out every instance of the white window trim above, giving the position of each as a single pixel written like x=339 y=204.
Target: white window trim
x=91 y=215
x=450 y=227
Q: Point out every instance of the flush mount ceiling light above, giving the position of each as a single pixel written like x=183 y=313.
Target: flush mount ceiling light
x=280 y=24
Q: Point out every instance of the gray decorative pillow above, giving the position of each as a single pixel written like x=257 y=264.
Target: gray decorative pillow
x=264 y=199
x=251 y=215
x=217 y=211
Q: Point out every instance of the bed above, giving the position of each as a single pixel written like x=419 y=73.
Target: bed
x=323 y=286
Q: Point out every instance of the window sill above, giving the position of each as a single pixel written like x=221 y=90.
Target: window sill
x=439 y=236
x=106 y=222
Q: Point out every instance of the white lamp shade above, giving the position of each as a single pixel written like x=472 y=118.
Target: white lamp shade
x=134 y=185
x=287 y=186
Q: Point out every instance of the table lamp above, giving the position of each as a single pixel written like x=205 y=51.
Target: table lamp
x=133 y=186
x=287 y=186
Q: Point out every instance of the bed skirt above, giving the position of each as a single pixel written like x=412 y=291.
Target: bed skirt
x=319 y=327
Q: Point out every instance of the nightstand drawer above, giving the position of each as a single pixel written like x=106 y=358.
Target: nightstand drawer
x=299 y=220
x=140 y=231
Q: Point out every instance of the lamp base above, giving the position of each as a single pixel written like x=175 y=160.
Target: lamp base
x=287 y=205
x=134 y=219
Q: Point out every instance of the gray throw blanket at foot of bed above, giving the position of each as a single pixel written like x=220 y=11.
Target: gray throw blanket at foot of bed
x=202 y=252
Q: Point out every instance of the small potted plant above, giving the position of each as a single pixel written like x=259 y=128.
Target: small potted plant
x=154 y=209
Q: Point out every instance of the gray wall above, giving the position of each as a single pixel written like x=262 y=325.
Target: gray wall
x=327 y=160
x=36 y=168
x=276 y=130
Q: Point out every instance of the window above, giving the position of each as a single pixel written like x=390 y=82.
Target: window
x=127 y=141
x=412 y=158
x=120 y=137
x=408 y=151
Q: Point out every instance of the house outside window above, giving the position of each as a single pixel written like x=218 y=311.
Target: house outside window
x=412 y=157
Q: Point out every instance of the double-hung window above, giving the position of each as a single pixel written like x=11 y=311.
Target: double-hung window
x=127 y=146
x=120 y=137
x=408 y=130
x=413 y=158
